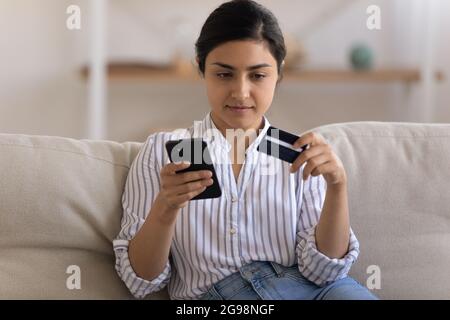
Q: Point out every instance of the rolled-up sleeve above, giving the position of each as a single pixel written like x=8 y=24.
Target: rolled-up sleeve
x=314 y=265
x=141 y=187
x=138 y=286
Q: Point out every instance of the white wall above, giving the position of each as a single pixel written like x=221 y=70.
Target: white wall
x=39 y=89
x=443 y=63
x=41 y=92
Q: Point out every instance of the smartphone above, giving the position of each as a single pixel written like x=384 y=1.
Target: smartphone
x=195 y=150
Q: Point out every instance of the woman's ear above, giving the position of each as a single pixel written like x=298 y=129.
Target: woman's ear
x=197 y=66
x=280 y=75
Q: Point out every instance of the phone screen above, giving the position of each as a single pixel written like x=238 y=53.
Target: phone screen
x=195 y=150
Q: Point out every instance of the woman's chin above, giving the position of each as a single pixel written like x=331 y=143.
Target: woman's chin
x=241 y=123
x=245 y=121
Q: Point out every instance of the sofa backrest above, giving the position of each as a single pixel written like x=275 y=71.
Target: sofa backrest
x=399 y=179
x=60 y=209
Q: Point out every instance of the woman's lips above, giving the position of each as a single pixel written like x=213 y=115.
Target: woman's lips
x=239 y=108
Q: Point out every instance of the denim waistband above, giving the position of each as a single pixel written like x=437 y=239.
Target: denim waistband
x=254 y=270
x=251 y=272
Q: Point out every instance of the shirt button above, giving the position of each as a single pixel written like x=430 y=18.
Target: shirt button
x=232 y=230
x=233 y=199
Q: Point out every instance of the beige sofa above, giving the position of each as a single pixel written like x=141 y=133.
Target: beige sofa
x=60 y=207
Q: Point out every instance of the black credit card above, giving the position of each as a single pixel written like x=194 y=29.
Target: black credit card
x=272 y=144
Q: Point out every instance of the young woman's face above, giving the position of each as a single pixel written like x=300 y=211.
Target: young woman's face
x=240 y=78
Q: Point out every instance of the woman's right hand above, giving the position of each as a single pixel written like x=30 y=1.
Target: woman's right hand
x=178 y=188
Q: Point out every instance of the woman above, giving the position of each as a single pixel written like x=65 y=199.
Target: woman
x=284 y=235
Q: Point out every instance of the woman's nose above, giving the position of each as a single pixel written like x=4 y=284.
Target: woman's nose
x=240 y=90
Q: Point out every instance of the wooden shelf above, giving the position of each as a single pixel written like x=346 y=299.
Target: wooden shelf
x=186 y=72
x=145 y=72
x=387 y=75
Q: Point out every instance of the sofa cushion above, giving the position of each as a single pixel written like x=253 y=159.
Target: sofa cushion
x=60 y=205
x=399 y=177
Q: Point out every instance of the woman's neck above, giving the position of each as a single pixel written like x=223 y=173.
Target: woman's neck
x=247 y=138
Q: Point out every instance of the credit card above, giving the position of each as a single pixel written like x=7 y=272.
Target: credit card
x=278 y=143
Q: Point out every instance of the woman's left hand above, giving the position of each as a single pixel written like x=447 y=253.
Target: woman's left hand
x=320 y=160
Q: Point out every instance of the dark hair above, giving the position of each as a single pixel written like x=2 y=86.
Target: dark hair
x=240 y=20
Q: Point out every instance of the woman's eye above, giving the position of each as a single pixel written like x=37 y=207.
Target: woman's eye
x=259 y=76
x=223 y=75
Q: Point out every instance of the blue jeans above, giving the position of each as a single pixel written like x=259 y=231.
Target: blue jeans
x=262 y=280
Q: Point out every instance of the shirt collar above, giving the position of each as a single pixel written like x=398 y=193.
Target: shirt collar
x=208 y=131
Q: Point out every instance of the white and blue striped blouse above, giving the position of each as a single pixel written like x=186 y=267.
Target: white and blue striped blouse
x=267 y=215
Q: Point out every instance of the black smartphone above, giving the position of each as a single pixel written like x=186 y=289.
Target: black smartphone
x=195 y=150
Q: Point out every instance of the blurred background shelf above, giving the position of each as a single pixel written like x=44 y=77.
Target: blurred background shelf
x=148 y=48
x=382 y=75
x=185 y=72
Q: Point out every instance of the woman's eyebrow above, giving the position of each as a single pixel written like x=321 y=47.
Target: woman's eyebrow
x=227 y=66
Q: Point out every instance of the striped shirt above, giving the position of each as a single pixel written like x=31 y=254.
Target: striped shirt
x=265 y=215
